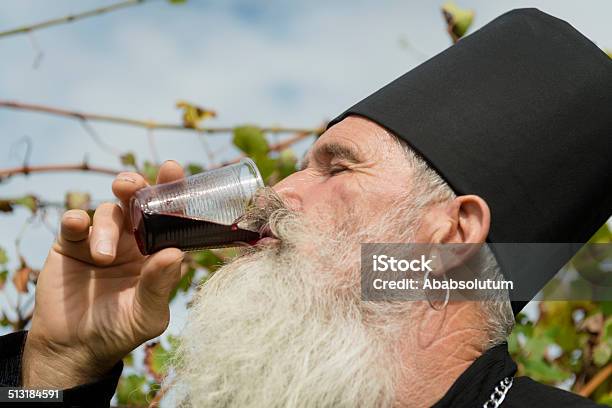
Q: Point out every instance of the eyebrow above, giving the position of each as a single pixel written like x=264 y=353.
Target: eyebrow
x=333 y=150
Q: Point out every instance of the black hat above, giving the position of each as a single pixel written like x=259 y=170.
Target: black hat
x=519 y=113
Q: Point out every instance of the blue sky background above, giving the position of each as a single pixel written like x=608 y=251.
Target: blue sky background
x=264 y=62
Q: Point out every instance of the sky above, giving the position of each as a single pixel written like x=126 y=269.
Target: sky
x=265 y=62
x=291 y=63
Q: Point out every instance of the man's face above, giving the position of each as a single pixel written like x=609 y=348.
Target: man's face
x=283 y=324
x=355 y=170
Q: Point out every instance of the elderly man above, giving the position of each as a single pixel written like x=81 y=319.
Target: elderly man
x=482 y=144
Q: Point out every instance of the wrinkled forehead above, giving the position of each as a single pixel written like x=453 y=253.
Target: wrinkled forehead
x=359 y=140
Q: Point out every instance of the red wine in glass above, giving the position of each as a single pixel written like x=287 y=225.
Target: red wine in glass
x=154 y=232
x=196 y=212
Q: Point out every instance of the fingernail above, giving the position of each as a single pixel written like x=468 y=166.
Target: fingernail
x=125 y=177
x=105 y=247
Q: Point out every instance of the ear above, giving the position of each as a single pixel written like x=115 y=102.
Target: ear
x=465 y=221
x=470 y=219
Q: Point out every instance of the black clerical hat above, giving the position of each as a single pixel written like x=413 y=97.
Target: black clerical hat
x=519 y=113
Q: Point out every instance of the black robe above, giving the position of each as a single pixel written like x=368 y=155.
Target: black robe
x=471 y=389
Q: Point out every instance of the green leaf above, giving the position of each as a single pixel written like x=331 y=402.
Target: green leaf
x=265 y=164
x=581 y=288
x=566 y=337
x=284 y=166
x=513 y=343
x=607 y=330
x=541 y=371
x=128 y=159
x=606 y=399
x=128 y=360
x=29 y=201
x=606 y=307
x=130 y=390
x=3 y=256
x=251 y=140
x=207 y=259
x=76 y=200
x=536 y=347
x=149 y=171
x=523 y=320
x=601 y=354
x=193 y=168
x=177 y=1
x=286 y=163
x=459 y=20
x=3 y=277
x=184 y=284
x=602 y=236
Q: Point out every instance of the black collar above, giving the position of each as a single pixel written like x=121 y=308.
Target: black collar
x=476 y=384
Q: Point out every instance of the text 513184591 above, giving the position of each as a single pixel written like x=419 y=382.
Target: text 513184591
x=13 y=394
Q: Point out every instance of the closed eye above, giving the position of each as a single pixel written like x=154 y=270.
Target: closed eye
x=337 y=169
x=331 y=158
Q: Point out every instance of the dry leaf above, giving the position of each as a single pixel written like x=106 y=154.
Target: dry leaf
x=21 y=278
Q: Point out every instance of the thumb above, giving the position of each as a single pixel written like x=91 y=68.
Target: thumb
x=160 y=273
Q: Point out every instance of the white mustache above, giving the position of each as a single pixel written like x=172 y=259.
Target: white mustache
x=265 y=213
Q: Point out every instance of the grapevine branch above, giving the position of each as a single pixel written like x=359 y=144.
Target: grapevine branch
x=147 y=124
x=50 y=168
x=84 y=166
x=596 y=381
x=70 y=18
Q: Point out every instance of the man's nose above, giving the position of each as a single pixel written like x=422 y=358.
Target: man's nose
x=290 y=190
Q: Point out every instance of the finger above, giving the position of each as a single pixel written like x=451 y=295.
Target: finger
x=74 y=226
x=73 y=239
x=81 y=250
x=126 y=184
x=160 y=273
x=124 y=187
x=105 y=233
x=170 y=171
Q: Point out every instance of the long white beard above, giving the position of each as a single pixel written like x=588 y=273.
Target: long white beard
x=285 y=327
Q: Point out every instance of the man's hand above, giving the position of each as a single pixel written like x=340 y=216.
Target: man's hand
x=97 y=297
